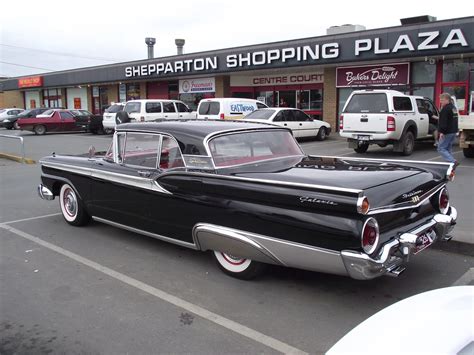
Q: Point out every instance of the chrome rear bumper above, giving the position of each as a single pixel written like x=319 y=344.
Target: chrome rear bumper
x=396 y=252
x=45 y=193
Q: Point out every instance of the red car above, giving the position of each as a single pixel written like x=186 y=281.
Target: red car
x=55 y=120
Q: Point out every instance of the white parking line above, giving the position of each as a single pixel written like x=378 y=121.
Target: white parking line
x=31 y=218
x=465 y=279
x=174 y=300
x=439 y=156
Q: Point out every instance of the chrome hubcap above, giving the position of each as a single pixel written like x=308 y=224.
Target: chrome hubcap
x=70 y=202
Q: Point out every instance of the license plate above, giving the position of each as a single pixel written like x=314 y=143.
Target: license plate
x=363 y=138
x=424 y=240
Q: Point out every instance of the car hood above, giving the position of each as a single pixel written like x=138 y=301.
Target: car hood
x=334 y=172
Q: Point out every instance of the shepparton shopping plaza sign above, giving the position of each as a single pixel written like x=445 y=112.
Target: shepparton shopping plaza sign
x=316 y=51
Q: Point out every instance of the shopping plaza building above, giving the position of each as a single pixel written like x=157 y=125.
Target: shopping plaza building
x=316 y=74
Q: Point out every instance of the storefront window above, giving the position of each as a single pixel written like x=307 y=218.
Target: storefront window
x=423 y=73
x=286 y=98
x=133 y=92
x=52 y=98
x=266 y=97
x=425 y=91
x=192 y=100
x=455 y=72
x=173 y=90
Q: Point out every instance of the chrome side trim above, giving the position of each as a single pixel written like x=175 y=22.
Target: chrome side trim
x=272 y=182
x=129 y=180
x=407 y=205
x=383 y=160
x=148 y=234
x=267 y=249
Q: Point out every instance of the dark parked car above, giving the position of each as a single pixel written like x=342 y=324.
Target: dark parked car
x=53 y=120
x=247 y=192
x=88 y=121
x=10 y=123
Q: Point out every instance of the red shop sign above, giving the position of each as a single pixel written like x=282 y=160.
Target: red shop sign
x=373 y=75
x=31 y=81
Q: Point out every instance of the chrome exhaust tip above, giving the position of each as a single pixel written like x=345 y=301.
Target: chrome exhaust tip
x=396 y=271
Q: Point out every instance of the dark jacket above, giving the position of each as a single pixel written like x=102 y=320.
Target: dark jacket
x=448 y=120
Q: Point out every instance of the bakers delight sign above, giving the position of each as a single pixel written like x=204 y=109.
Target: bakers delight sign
x=373 y=75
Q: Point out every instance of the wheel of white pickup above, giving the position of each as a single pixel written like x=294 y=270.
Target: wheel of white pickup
x=238 y=267
x=71 y=206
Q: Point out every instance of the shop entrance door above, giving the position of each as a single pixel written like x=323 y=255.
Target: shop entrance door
x=286 y=98
x=460 y=92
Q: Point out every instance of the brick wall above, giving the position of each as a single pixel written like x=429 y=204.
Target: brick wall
x=12 y=99
x=330 y=98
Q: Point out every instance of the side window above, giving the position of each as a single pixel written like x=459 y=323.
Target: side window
x=141 y=150
x=402 y=103
x=279 y=117
x=421 y=106
x=168 y=107
x=153 y=107
x=301 y=116
x=261 y=105
x=289 y=115
x=181 y=107
x=133 y=107
x=430 y=107
x=65 y=115
x=170 y=156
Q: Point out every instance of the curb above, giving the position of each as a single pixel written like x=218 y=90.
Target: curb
x=17 y=158
x=456 y=247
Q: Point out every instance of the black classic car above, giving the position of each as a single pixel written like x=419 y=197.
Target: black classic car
x=248 y=193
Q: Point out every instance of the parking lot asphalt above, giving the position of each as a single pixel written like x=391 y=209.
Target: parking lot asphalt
x=101 y=290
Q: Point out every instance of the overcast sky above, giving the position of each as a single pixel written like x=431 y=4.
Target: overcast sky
x=88 y=33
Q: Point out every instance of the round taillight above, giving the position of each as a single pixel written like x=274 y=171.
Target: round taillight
x=370 y=235
x=443 y=201
x=363 y=205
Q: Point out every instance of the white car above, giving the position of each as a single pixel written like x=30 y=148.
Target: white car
x=108 y=119
x=9 y=112
x=227 y=108
x=153 y=110
x=386 y=117
x=435 y=322
x=299 y=122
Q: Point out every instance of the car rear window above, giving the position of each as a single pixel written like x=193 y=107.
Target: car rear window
x=209 y=108
x=402 y=103
x=260 y=115
x=367 y=103
x=114 y=109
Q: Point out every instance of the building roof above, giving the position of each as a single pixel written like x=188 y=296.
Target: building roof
x=319 y=50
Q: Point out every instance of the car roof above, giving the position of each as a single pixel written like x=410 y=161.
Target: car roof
x=230 y=99
x=191 y=134
x=153 y=100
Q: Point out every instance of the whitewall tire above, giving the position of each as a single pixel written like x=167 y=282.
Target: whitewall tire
x=71 y=206
x=238 y=267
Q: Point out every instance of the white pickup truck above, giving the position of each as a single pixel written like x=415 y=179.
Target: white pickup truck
x=386 y=117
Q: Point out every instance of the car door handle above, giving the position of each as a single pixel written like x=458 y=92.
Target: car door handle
x=301 y=124
x=422 y=118
x=284 y=124
x=180 y=115
x=166 y=116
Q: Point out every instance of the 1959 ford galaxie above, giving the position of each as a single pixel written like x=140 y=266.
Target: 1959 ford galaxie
x=248 y=193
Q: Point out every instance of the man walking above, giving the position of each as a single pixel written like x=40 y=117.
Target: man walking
x=447 y=128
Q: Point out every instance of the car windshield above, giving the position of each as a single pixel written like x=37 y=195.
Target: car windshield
x=367 y=103
x=1 y=111
x=114 y=109
x=260 y=115
x=251 y=147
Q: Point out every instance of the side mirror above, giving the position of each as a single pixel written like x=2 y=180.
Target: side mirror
x=190 y=110
x=91 y=151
